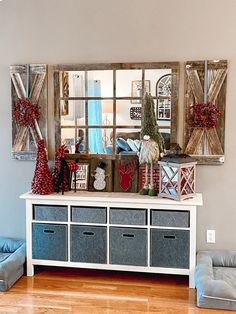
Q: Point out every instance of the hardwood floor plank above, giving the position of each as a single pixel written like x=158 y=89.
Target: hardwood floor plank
x=60 y=290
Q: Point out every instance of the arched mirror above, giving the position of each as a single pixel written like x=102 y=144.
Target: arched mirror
x=163 y=93
x=97 y=104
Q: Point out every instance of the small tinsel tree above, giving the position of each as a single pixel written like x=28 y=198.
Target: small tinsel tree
x=42 y=181
x=149 y=122
x=60 y=173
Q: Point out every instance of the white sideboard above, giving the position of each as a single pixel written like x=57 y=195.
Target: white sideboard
x=116 y=231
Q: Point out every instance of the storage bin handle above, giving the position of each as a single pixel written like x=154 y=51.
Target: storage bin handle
x=48 y=231
x=127 y=235
x=171 y=237
x=88 y=233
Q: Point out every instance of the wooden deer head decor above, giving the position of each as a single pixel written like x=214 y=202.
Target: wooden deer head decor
x=126 y=171
x=126 y=174
x=29 y=109
x=205 y=100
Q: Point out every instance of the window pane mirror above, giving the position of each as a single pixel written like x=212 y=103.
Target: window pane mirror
x=97 y=104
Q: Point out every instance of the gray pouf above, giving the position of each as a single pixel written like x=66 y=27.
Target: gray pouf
x=215 y=279
x=12 y=259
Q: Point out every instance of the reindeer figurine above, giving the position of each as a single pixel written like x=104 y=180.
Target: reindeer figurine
x=126 y=172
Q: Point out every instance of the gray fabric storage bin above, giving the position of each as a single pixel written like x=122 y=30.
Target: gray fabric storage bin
x=170 y=248
x=128 y=216
x=49 y=241
x=128 y=246
x=88 y=244
x=50 y=213
x=170 y=218
x=89 y=214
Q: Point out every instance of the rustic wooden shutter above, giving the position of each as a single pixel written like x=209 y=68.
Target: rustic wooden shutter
x=29 y=81
x=205 y=144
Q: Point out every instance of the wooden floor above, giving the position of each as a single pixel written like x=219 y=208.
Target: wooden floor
x=60 y=290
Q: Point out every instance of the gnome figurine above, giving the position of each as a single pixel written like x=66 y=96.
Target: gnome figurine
x=152 y=144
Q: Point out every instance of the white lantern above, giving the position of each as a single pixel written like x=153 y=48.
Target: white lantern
x=177 y=177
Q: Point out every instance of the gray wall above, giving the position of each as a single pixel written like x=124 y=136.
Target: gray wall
x=70 y=31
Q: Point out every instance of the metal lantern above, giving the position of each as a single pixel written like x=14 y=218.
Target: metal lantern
x=177 y=177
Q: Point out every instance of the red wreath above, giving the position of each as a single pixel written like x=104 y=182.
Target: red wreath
x=204 y=115
x=25 y=112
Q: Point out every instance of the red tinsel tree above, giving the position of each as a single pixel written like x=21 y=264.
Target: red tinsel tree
x=42 y=181
x=60 y=173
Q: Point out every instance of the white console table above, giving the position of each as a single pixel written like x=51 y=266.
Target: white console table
x=116 y=231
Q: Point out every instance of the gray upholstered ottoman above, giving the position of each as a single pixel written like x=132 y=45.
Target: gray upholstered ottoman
x=215 y=278
x=12 y=259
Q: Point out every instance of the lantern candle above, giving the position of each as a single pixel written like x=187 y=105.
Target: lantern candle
x=177 y=177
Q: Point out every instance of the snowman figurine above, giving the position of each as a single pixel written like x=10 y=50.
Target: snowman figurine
x=99 y=183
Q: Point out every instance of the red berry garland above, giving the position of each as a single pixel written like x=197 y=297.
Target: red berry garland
x=42 y=181
x=204 y=115
x=25 y=112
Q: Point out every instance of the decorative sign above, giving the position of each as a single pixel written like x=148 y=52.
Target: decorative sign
x=135 y=113
x=81 y=178
x=137 y=90
x=126 y=174
x=101 y=175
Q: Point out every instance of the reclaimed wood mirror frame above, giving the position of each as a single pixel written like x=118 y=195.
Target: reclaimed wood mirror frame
x=61 y=95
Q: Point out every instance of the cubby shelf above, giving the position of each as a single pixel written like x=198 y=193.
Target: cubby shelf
x=116 y=231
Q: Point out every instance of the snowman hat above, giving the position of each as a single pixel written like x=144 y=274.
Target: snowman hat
x=101 y=164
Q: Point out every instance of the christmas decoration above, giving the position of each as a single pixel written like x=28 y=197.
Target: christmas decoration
x=126 y=171
x=205 y=110
x=25 y=112
x=60 y=173
x=100 y=176
x=177 y=176
x=42 y=181
x=29 y=109
x=149 y=123
x=96 y=174
x=204 y=115
x=155 y=173
x=73 y=167
x=80 y=181
x=152 y=144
